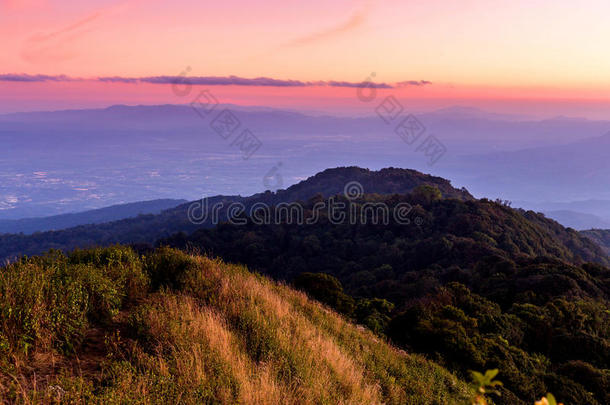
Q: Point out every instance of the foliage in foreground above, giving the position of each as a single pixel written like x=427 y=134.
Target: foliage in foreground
x=486 y=385
x=109 y=326
x=477 y=285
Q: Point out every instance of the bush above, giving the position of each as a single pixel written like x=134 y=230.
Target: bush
x=167 y=267
x=120 y=264
x=52 y=299
x=327 y=289
x=374 y=313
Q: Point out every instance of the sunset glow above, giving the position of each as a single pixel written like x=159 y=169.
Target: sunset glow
x=472 y=52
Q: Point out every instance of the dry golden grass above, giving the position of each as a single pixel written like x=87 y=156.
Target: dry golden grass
x=226 y=336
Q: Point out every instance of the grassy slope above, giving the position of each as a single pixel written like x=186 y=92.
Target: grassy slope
x=109 y=326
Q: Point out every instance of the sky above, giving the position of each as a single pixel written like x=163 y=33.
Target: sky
x=544 y=57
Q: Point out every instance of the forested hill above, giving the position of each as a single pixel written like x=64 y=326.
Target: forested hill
x=442 y=233
x=385 y=181
x=546 y=237
x=472 y=284
x=149 y=228
x=599 y=236
x=97 y=216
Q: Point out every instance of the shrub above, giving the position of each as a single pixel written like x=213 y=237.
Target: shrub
x=120 y=264
x=327 y=289
x=166 y=267
x=52 y=299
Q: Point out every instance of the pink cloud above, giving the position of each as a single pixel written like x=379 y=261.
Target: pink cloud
x=356 y=20
x=55 y=46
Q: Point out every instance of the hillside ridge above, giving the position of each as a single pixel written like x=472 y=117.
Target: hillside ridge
x=175 y=328
x=149 y=228
x=94 y=216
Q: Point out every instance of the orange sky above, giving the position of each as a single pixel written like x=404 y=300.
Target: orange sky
x=478 y=52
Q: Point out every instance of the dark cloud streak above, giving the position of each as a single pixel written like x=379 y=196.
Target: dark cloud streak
x=13 y=77
x=412 y=83
x=224 y=81
x=117 y=79
x=209 y=81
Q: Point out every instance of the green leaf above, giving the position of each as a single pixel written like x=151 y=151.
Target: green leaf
x=478 y=377
x=490 y=374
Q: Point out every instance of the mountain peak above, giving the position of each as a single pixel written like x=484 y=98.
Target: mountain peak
x=389 y=180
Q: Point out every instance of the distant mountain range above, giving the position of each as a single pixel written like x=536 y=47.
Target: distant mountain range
x=571 y=172
x=599 y=208
x=70 y=161
x=578 y=220
x=107 y=214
